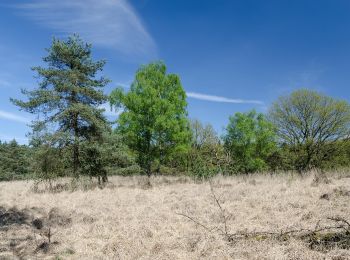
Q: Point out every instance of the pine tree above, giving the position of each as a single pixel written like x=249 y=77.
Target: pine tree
x=68 y=97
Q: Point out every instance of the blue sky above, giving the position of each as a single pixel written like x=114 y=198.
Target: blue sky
x=231 y=55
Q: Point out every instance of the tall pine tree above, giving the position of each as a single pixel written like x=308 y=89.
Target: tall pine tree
x=68 y=97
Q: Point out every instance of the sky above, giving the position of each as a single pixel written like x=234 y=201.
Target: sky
x=231 y=55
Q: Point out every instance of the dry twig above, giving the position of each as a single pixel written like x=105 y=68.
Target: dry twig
x=341 y=224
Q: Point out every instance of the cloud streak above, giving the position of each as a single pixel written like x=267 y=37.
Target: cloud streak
x=4 y=83
x=213 y=98
x=107 y=23
x=13 y=117
x=110 y=112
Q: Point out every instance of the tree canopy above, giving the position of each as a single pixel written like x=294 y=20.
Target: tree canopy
x=309 y=123
x=153 y=120
x=68 y=97
x=206 y=156
x=250 y=140
x=14 y=160
x=71 y=136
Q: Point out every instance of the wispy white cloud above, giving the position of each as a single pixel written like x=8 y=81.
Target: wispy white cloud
x=213 y=98
x=110 y=112
x=13 y=117
x=108 y=23
x=4 y=83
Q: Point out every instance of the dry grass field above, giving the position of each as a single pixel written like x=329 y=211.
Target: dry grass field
x=127 y=220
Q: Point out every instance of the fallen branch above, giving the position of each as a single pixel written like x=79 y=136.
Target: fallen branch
x=197 y=222
x=341 y=224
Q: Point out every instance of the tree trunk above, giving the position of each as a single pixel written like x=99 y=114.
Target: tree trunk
x=75 y=160
x=104 y=177
x=76 y=138
x=76 y=150
x=148 y=169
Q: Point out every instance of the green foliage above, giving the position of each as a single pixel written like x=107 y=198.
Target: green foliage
x=68 y=97
x=153 y=121
x=206 y=157
x=48 y=163
x=339 y=157
x=105 y=155
x=49 y=160
x=14 y=161
x=250 y=140
x=309 y=125
x=71 y=136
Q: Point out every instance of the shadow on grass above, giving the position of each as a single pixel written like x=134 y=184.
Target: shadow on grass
x=12 y=216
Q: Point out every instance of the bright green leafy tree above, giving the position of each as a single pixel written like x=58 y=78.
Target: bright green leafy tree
x=68 y=97
x=154 y=120
x=250 y=140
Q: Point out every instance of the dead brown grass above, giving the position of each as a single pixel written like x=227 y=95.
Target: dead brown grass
x=128 y=220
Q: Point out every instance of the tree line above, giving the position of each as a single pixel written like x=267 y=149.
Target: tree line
x=153 y=133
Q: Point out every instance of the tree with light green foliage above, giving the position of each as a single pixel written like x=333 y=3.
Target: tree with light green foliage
x=250 y=139
x=68 y=98
x=153 y=120
x=310 y=125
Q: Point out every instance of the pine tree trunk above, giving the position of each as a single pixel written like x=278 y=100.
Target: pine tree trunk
x=148 y=170
x=75 y=159
x=76 y=147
